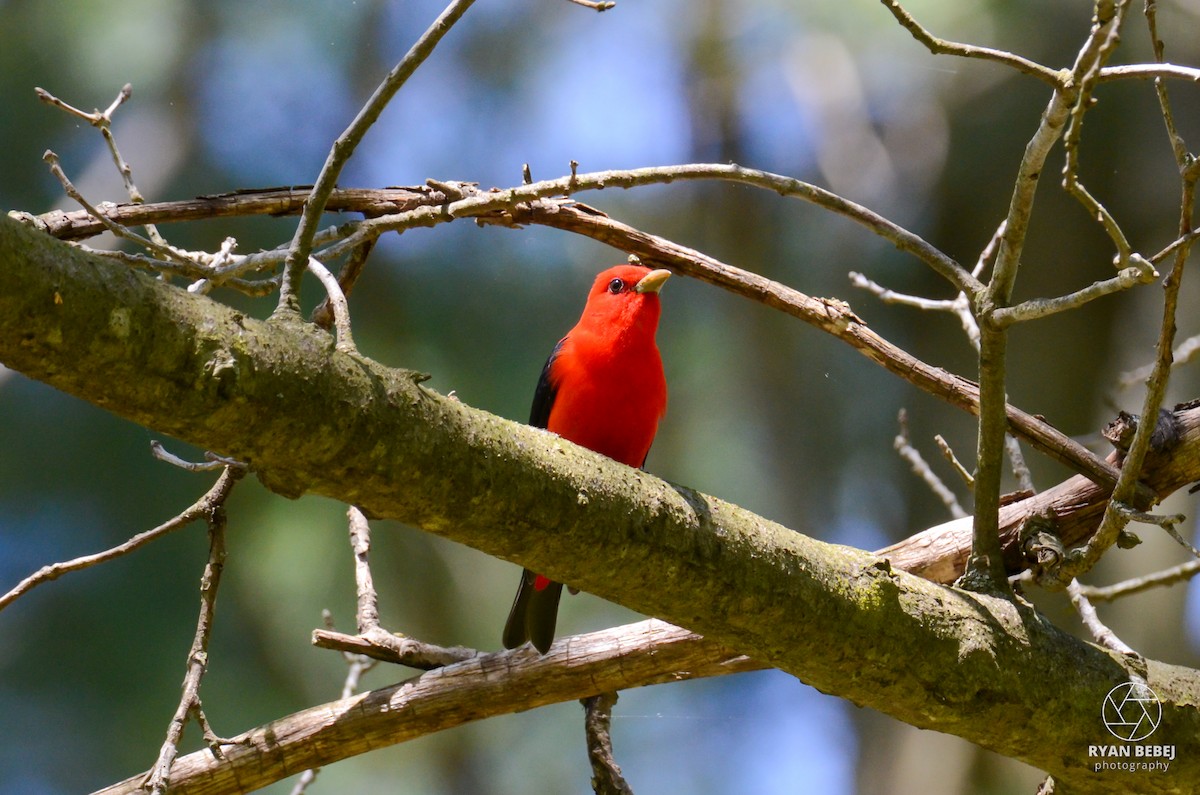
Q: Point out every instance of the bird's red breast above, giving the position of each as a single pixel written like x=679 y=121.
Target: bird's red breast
x=606 y=374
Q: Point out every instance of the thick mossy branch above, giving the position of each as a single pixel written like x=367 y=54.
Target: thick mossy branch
x=308 y=418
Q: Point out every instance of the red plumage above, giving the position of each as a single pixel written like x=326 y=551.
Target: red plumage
x=602 y=388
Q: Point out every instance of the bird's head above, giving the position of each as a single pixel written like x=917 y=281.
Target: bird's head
x=625 y=298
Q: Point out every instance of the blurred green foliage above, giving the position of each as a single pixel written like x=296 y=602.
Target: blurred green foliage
x=764 y=411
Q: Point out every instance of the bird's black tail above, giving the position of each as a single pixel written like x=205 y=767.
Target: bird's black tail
x=534 y=614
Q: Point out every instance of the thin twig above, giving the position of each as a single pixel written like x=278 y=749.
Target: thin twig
x=1085 y=84
x=1142 y=272
x=103 y=122
x=367 y=613
x=211 y=461
x=596 y=5
x=1116 y=515
x=889 y=296
x=1184 y=353
x=1167 y=523
x=164 y=250
x=1149 y=71
x=323 y=315
x=213 y=498
x=1016 y=459
x=597 y=725
x=348 y=141
x=372 y=639
x=189 y=270
x=948 y=454
x=159 y=778
x=985 y=569
x=396 y=210
x=94 y=118
x=221 y=275
x=1180 y=573
x=921 y=469
x=337 y=301
x=943 y=47
x=388 y=647
x=959 y=306
x=1178 y=146
x=988 y=255
x=1087 y=614
x=488 y=203
x=78 y=224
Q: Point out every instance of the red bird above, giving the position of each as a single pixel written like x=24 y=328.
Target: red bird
x=602 y=388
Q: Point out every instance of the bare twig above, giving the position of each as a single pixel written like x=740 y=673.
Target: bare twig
x=1087 y=614
x=1183 y=158
x=920 y=468
x=211 y=461
x=1149 y=71
x=103 y=122
x=348 y=141
x=323 y=315
x=78 y=224
x=1167 y=523
x=95 y=118
x=597 y=725
x=959 y=306
x=1085 y=84
x=225 y=273
x=388 y=647
x=159 y=778
x=943 y=47
x=948 y=454
x=372 y=639
x=367 y=614
x=1184 y=353
x=337 y=301
x=398 y=209
x=1180 y=573
x=596 y=5
x=988 y=254
x=189 y=270
x=163 y=454
x=162 y=249
x=1117 y=515
x=483 y=204
x=1016 y=459
x=212 y=499
x=1141 y=272
x=985 y=566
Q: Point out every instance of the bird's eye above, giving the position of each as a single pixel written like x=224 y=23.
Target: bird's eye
x=616 y=286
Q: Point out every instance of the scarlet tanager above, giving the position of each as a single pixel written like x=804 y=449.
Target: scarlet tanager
x=602 y=388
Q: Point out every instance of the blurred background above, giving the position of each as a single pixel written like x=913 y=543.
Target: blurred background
x=765 y=412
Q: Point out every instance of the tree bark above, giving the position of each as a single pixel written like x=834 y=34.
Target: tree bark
x=307 y=418
x=645 y=653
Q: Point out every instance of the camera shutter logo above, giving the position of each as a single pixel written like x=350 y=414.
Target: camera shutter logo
x=1131 y=711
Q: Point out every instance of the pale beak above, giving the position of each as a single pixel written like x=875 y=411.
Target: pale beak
x=653 y=281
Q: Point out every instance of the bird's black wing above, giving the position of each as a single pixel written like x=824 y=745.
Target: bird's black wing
x=534 y=613
x=543 y=396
